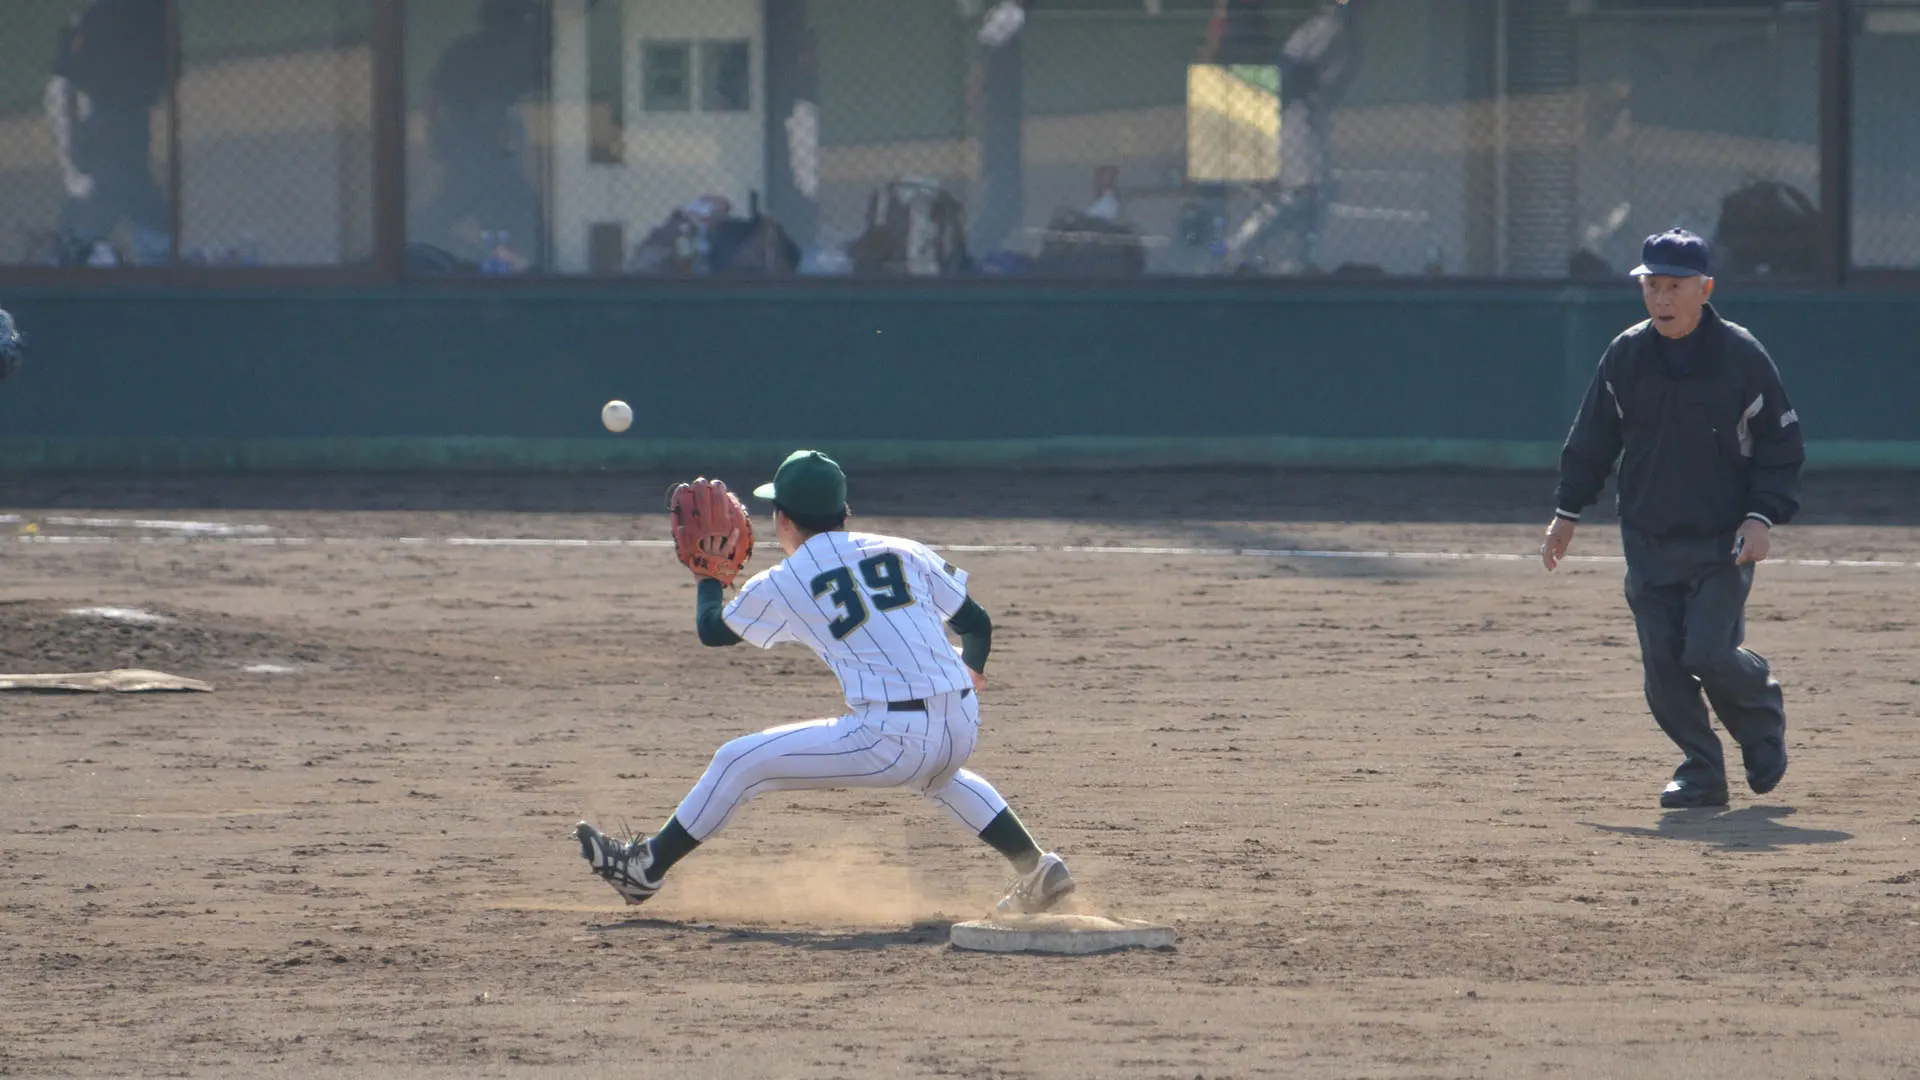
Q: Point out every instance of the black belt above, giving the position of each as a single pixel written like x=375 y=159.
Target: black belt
x=916 y=704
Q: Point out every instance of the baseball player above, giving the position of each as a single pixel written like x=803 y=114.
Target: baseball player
x=875 y=609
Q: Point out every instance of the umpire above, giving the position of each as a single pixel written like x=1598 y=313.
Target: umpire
x=1710 y=453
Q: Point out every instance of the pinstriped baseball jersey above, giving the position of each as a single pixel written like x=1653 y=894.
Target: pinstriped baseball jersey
x=874 y=608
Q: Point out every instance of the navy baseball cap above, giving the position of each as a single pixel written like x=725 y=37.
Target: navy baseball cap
x=1674 y=253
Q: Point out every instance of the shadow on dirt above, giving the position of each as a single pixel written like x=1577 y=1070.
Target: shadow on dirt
x=927 y=933
x=1752 y=828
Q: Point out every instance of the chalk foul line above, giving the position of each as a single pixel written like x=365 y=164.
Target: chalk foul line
x=205 y=533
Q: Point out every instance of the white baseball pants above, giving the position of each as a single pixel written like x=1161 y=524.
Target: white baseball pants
x=874 y=748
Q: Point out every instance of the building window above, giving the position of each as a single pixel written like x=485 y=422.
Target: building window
x=726 y=76
x=666 y=74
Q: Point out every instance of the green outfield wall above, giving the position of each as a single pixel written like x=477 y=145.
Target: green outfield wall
x=998 y=374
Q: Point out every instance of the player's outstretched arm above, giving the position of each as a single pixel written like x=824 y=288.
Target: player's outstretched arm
x=709 y=615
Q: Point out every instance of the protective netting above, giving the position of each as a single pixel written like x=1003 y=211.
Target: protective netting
x=139 y=132
x=923 y=138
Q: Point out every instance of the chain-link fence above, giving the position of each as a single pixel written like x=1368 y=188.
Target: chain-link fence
x=84 y=164
x=143 y=132
x=1885 y=84
x=1070 y=138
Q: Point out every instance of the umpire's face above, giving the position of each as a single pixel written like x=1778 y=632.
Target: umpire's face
x=1674 y=303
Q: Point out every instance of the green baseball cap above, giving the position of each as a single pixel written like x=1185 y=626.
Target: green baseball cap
x=808 y=483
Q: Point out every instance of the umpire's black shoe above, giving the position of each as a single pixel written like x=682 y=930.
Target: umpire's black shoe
x=1692 y=795
x=1766 y=763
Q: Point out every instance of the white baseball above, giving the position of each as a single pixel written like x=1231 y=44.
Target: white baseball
x=616 y=415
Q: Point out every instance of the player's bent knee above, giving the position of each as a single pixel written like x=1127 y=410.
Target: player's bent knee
x=1708 y=663
x=732 y=751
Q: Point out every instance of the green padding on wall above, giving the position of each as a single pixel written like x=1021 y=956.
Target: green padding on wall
x=582 y=455
x=962 y=374
x=1842 y=454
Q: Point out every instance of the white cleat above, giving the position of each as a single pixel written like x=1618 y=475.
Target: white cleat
x=623 y=866
x=1039 y=889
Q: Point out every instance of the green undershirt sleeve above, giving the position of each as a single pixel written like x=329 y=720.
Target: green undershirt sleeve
x=708 y=615
x=976 y=634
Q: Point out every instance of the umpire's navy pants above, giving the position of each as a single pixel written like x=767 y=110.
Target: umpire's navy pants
x=1689 y=604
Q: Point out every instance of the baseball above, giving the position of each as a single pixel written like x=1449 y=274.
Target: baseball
x=616 y=415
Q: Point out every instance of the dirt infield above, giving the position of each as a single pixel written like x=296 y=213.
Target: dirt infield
x=1401 y=811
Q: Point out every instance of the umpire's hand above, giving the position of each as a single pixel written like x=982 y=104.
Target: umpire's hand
x=1559 y=538
x=1752 y=543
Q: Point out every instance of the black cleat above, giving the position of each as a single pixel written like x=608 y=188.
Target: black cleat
x=1692 y=795
x=1766 y=763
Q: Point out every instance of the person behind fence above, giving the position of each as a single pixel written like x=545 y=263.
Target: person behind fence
x=484 y=207
x=1710 y=453
x=109 y=72
x=1317 y=63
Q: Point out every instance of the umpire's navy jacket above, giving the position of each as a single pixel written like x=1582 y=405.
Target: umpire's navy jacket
x=1701 y=452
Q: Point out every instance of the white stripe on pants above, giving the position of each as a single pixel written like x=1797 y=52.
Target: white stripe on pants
x=873 y=748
